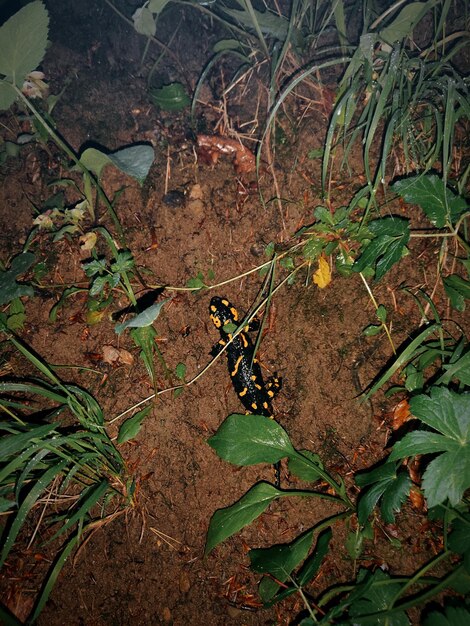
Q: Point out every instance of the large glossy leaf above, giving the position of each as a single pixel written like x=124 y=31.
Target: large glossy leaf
x=225 y=522
x=23 y=40
x=251 y=439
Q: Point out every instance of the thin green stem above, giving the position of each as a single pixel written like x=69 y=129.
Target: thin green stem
x=374 y=302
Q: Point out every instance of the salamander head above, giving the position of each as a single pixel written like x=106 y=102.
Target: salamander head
x=222 y=312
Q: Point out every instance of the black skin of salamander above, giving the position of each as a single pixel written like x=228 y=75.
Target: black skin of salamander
x=245 y=371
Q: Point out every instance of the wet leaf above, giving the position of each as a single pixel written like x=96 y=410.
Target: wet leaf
x=250 y=439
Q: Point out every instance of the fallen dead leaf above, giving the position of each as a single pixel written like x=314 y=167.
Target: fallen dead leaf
x=322 y=276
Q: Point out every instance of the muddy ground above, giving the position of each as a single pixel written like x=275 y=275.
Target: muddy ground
x=147 y=567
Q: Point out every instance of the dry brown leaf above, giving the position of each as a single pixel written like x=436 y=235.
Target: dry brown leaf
x=400 y=414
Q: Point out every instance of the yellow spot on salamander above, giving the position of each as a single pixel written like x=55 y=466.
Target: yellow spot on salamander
x=235 y=369
x=254 y=406
x=253 y=377
x=225 y=302
x=216 y=321
x=270 y=393
x=234 y=312
x=243 y=393
x=244 y=340
x=258 y=386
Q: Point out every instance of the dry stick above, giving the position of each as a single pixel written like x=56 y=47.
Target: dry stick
x=168 y=169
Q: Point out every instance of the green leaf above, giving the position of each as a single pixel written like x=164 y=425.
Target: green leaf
x=303 y=465
x=312 y=564
x=131 y=427
x=384 y=483
x=457 y=290
x=157 y=6
x=447 y=477
x=170 y=97
x=123 y=263
x=381 y=313
x=459 y=369
x=23 y=40
x=354 y=543
x=372 y=330
x=403 y=25
x=134 y=161
x=180 y=371
x=251 y=439
x=7 y=96
x=453 y=616
x=459 y=538
x=388 y=246
x=226 y=522
x=440 y=204
x=377 y=597
x=444 y=410
x=144 y=22
x=146 y=318
x=447 y=412
x=9 y=288
x=29 y=501
x=281 y=560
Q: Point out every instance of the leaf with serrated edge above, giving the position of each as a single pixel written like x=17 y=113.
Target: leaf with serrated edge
x=394 y=496
x=444 y=410
x=447 y=476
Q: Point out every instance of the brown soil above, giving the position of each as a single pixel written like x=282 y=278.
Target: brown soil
x=147 y=567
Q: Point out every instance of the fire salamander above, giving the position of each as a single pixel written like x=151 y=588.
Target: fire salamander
x=244 y=370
